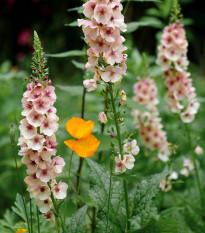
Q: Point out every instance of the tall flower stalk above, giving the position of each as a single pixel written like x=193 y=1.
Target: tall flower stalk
x=102 y=26
x=172 y=58
x=38 y=141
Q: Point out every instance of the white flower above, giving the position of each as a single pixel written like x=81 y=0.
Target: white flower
x=44 y=205
x=60 y=190
x=173 y=176
x=198 y=150
x=131 y=147
x=126 y=163
x=102 y=117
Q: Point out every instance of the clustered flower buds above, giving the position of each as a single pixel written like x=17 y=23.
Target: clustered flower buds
x=101 y=27
x=38 y=141
x=165 y=184
x=127 y=162
x=172 y=58
x=149 y=123
x=187 y=167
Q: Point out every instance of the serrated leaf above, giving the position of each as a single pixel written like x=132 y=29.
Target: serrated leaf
x=145 y=191
x=72 y=53
x=19 y=207
x=163 y=225
x=99 y=192
x=76 y=223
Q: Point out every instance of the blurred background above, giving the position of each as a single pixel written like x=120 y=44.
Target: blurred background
x=18 y=19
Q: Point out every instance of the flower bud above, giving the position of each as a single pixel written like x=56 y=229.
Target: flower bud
x=123 y=97
x=102 y=117
x=198 y=150
x=12 y=135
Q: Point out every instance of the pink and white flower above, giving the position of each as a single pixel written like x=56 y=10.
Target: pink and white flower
x=102 y=117
x=60 y=190
x=123 y=164
x=131 y=147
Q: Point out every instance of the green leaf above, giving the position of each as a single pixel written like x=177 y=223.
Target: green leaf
x=163 y=225
x=79 y=9
x=99 y=192
x=133 y=26
x=9 y=219
x=73 y=24
x=152 y=21
x=19 y=207
x=145 y=191
x=72 y=53
x=78 y=65
x=76 y=223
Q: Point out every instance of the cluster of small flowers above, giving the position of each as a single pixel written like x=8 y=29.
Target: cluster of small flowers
x=172 y=58
x=127 y=162
x=38 y=145
x=102 y=33
x=37 y=137
x=150 y=128
x=173 y=48
x=187 y=167
x=165 y=184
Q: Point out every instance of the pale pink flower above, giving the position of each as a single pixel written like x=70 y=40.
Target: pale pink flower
x=89 y=7
x=32 y=181
x=173 y=176
x=45 y=175
x=199 y=150
x=35 y=118
x=42 y=105
x=41 y=192
x=102 y=14
x=187 y=163
x=27 y=130
x=49 y=92
x=58 y=164
x=50 y=217
x=35 y=93
x=131 y=147
x=31 y=164
x=59 y=191
x=27 y=105
x=36 y=143
x=49 y=126
x=90 y=84
x=109 y=34
x=44 y=205
x=112 y=74
x=126 y=163
x=102 y=117
x=165 y=185
x=184 y=172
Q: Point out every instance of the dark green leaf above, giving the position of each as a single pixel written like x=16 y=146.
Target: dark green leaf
x=76 y=223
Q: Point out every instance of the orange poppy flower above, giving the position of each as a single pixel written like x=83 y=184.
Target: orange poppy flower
x=86 y=144
x=79 y=128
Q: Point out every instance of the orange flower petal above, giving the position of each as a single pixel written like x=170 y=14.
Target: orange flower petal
x=79 y=128
x=85 y=147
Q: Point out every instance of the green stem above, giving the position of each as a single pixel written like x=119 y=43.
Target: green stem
x=12 y=135
x=38 y=222
x=31 y=214
x=126 y=202
x=195 y=165
x=109 y=195
x=126 y=7
x=79 y=175
x=121 y=151
x=57 y=212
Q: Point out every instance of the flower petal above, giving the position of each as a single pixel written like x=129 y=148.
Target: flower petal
x=85 y=147
x=79 y=128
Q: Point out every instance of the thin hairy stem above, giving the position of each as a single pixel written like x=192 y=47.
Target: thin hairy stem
x=121 y=150
x=31 y=214
x=38 y=222
x=12 y=135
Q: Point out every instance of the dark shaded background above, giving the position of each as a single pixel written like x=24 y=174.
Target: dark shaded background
x=18 y=19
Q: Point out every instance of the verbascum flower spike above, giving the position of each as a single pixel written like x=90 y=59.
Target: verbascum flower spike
x=101 y=28
x=37 y=139
x=149 y=122
x=172 y=58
